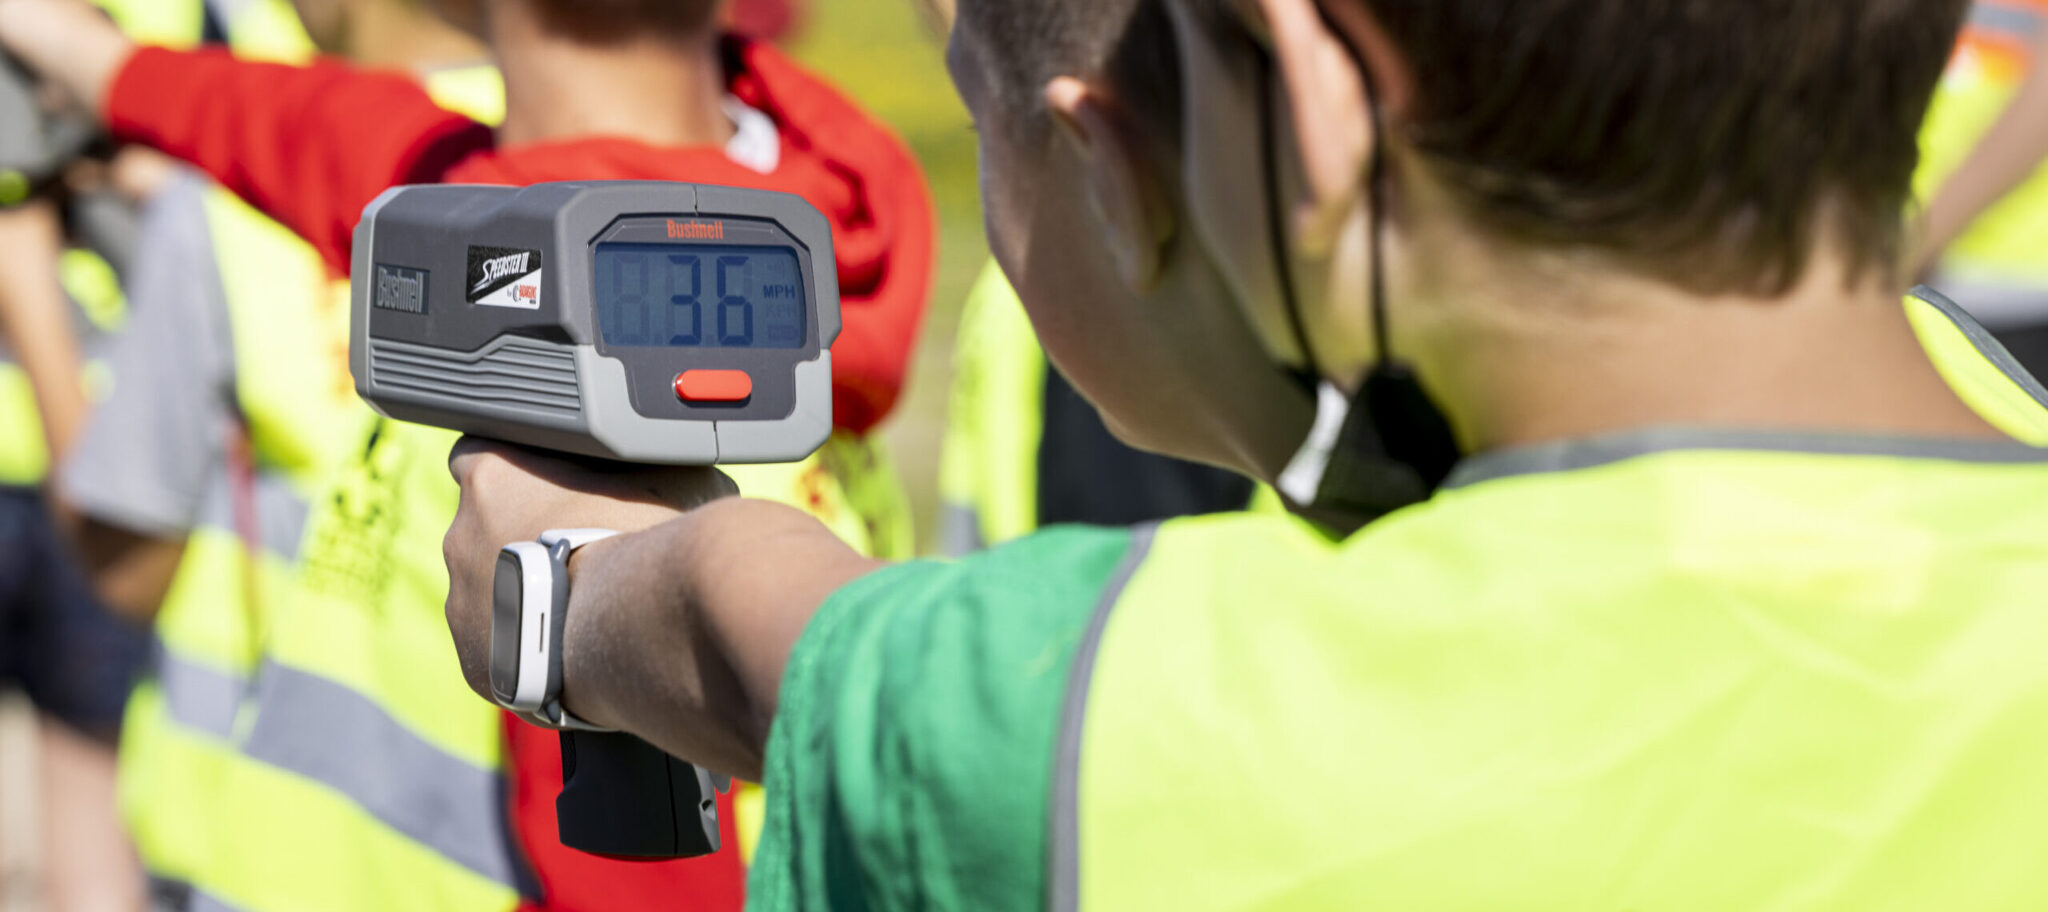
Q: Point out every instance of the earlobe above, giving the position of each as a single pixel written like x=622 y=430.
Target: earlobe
x=1125 y=194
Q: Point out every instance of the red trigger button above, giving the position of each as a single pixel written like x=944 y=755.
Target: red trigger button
x=714 y=386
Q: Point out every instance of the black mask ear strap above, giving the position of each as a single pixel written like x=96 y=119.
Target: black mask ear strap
x=1276 y=228
x=1376 y=217
x=1405 y=422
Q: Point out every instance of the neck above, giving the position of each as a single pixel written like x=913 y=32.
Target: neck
x=1528 y=352
x=393 y=35
x=657 y=88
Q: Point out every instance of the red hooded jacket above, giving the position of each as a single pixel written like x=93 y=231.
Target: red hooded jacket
x=311 y=146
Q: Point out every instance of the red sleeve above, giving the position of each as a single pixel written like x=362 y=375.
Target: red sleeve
x=310 y=146
x=880 y=314
x=572 y=881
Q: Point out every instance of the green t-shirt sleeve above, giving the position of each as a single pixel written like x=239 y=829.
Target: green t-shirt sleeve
x=911 y=759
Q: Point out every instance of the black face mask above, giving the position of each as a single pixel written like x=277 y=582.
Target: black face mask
x=1388 y=446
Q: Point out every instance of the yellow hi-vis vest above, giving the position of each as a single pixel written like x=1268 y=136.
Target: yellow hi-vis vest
x=89 y=281
x=290 y=335
x=166 y=23
x=256 y=29
x=265 y=30
x=1669 y=671
x=2004 y=248
x=988 y=466
x=187 y=785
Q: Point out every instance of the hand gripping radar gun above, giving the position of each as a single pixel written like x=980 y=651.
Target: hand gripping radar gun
x=642 y=322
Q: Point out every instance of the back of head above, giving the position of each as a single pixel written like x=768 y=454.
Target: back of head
x=1701 y=140
x=1712 y=144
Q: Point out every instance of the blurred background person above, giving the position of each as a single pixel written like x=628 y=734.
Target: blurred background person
x=189 y=492
x=68 y=211
x=1984 y=235
x=73 y=658
x=359 y=775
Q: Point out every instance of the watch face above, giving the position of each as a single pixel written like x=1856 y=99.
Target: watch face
x=507 y=597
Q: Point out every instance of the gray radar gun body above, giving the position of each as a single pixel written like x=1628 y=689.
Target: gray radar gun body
x=638 y=322
x=644 y=322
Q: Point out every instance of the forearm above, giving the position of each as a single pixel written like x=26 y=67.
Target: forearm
x=680 y=633
x=35 y=319
x=68 y=43
x=307 y=145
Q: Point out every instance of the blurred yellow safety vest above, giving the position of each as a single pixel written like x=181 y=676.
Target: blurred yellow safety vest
x=89 y=281
x=290 y=337
x=186 y=775
x=988 y=462
x=1674 y=671
x=255 y=29
x=2004 y=248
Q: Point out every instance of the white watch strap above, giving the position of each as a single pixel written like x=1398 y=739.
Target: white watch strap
x=536 y=583
x=575 y=538
x=553 y=714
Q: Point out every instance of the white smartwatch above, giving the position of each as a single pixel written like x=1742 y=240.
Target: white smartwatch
x=529 y=604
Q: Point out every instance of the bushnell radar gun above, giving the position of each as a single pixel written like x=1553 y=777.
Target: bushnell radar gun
x=642 y=322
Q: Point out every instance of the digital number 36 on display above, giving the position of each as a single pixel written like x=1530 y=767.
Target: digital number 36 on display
x=639 y=321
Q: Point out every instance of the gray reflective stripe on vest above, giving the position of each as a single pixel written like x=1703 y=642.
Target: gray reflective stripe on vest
x=1987 y=345
x=1063 y=880
x=199 y=697
x=324 y=731
x=959 y=530
x=1593 y=452
x=203 y=901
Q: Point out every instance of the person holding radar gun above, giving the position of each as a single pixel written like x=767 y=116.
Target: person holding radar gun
x=1652 y=547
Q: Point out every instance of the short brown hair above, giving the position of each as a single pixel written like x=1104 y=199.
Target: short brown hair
x=1710 y=142
x=1129 y=41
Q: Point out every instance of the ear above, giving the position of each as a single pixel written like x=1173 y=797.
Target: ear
x=1123 y=185
x=1327 y=100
